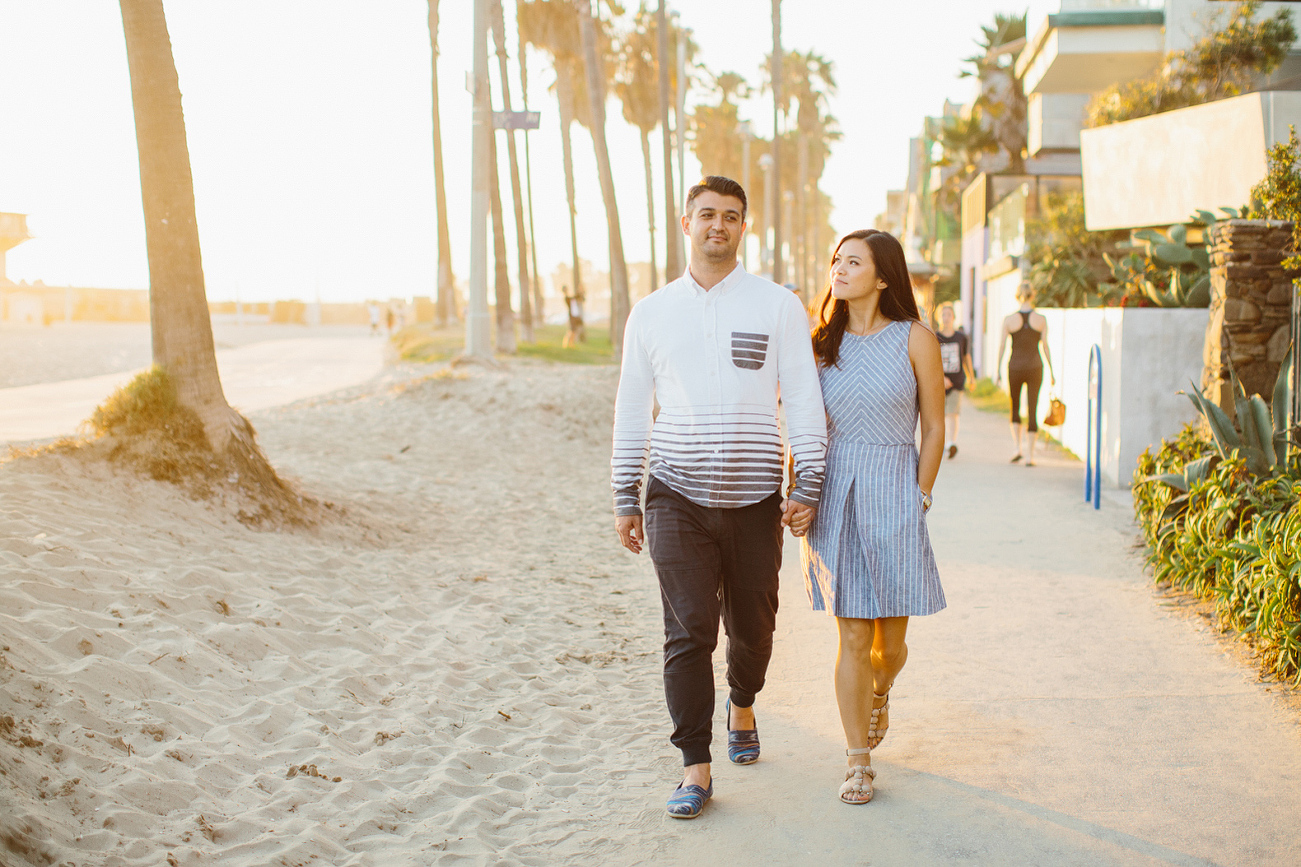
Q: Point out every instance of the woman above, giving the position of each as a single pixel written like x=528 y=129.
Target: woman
x=1027 y=331
x=867 y=556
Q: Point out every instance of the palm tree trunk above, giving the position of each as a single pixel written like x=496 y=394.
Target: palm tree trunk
x=446 y=302
x=672 y=267
x=801 y=241
x=774 y=193
x=539 y=303
x=505 y=314
x=522 y=244
x=596 y=93
x=178 y=306
x=565 y=96
x=650 y=204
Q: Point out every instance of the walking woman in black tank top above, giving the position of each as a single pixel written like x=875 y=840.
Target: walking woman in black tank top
x=1027 y=331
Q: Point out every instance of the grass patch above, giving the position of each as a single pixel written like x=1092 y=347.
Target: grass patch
x=596 y=349
x=987 y=396
x=426 y=343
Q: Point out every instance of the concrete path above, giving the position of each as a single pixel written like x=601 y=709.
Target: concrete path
x=1058 y=712
x=254 y=377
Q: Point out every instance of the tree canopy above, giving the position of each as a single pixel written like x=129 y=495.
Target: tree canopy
x=1221 y=64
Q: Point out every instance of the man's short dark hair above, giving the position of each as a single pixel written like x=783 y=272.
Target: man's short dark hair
x=721 y=185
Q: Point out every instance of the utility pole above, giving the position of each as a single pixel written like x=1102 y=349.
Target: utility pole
x=478 y=336
x=774 y=199
x=672 y=264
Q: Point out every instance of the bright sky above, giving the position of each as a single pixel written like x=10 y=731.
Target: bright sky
x=309 y=132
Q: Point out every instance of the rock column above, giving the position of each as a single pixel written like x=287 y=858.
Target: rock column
x=1251 y=308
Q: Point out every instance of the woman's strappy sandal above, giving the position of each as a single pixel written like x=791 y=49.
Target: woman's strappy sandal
x=858 y=780
x=876 y=731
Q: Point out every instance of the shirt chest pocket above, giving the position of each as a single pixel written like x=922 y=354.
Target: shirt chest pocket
x=749 y=350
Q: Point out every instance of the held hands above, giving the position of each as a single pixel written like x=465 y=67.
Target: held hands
x=797 y=516
x=631 y=532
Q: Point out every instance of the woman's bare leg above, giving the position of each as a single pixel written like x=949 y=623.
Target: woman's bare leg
x=854 y=680
x=889 y=653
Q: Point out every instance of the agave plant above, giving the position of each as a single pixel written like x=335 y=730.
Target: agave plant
x=1165 y=268
x=1264 y=441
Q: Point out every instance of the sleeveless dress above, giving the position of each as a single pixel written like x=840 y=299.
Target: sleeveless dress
x=868 y=553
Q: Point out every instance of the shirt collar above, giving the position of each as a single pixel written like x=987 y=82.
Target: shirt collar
x=721 y=287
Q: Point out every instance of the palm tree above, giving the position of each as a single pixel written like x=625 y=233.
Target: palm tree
x=672 y=265
x=596 y=77
x=1001 y=105
x=636 y=89
x=552 y=25
x=178 y=306
x=505 y=314
x=539 y=303
x=446 y=284
x=715 y=129
x=522 y=245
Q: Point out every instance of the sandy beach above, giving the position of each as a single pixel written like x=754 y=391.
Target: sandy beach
x=463 y=668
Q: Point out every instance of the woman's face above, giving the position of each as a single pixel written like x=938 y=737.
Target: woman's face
x=853 y=273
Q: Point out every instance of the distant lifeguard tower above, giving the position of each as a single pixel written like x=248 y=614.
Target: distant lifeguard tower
x=13 y=231
x=15 y=306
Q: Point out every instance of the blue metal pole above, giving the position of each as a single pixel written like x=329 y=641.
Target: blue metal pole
x=1093 y=462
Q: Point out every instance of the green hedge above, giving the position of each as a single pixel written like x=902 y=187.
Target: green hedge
x=1234 y=540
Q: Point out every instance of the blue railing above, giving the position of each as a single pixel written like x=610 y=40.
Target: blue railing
x=1093 y=450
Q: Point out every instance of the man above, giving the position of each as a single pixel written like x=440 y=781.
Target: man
x=955 y=355
x=715 y=346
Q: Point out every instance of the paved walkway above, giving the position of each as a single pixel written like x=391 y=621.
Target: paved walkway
x=254 y=377
x=1056 y=713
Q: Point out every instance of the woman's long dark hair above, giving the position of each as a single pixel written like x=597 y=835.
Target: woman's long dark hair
x=831 y=315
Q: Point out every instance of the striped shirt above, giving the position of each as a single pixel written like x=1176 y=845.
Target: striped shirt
x=715 y=360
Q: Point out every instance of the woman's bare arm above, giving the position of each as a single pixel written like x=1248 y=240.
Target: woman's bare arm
x=924 y=353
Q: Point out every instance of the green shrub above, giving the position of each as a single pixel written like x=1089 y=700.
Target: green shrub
x=1234 y=538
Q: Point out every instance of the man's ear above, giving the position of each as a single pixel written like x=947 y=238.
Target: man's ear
x=686 y=224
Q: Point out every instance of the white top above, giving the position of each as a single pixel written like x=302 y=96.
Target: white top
x=716 y=359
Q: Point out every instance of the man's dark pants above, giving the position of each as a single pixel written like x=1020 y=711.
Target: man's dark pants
x=712 y=561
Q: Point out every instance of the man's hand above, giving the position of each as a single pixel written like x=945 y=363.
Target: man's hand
x=631 y=532
x=948 y=383
x=797 y=516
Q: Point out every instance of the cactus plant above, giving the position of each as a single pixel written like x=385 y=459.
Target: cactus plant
x=1164 y=268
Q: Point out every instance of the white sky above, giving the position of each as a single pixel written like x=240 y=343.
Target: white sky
x=309 y=132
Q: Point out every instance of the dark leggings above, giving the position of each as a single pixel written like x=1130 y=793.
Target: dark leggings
x=1032 y=379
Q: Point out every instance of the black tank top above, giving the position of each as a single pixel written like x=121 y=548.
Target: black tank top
x=1025 y=347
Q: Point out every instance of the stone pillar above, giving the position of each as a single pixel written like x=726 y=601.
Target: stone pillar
x=1251 y=306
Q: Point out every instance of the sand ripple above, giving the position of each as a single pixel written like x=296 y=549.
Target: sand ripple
x=463 y=670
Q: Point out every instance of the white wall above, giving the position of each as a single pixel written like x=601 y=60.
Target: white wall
x=1205 y=156
x=1148 y=356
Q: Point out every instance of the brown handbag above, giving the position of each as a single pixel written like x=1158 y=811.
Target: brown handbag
x=1056 y=413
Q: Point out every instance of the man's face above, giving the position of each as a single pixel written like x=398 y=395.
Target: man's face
x=715 y=226
x=946 y=318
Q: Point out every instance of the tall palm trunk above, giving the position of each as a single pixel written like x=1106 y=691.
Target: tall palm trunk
x=522 y=244
x=774 y=192
x=596 y=92
x=565 y=96
x=505 y=313
x=672 y=266
x=178 y=306
x=801 y=240
x=650 y=204
x=539 y=303
x=446 y=302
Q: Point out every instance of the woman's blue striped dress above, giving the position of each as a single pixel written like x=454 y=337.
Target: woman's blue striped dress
x=868 y=553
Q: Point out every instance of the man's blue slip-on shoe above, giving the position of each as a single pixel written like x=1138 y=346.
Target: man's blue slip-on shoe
x=688 y=801
x=742 y=745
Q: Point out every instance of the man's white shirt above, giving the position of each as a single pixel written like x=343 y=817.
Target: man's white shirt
x=715 y=360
